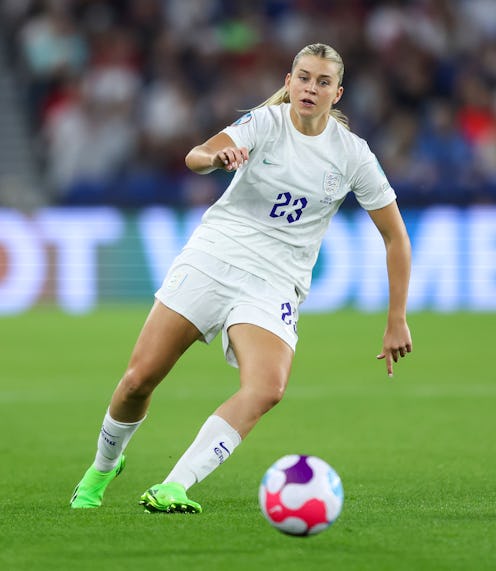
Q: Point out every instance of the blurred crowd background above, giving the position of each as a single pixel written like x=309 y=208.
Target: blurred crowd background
x=101 y=100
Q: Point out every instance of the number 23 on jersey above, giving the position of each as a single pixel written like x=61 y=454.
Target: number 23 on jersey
x=289 y=207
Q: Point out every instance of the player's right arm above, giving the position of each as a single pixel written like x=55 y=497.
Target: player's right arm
x=218 y=152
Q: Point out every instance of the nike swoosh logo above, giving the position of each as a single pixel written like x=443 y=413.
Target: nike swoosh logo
x=222 y=445
x=266 y=162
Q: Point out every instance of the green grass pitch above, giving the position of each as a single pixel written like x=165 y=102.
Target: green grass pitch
x=416 y=453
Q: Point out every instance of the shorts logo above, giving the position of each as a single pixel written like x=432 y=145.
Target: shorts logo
x=175 y=280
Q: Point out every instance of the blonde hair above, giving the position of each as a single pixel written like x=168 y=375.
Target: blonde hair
x=325 y=52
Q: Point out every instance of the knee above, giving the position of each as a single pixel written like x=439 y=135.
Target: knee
x=269 y=395
x=136 y=384
x=275 y=394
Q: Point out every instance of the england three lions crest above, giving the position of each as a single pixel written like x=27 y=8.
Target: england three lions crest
x=331 y=184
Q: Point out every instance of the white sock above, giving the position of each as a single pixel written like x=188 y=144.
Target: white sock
x=212 y=446
x=113 y=439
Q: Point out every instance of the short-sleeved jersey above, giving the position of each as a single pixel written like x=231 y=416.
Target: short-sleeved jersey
x=272 y=218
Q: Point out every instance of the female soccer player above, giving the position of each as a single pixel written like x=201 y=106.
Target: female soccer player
x=247 y=268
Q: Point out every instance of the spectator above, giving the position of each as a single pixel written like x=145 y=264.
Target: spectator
x=51 y=48
x=120 y=89
x=91 y=136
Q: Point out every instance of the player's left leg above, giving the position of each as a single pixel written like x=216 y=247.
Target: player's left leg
x=264 y=361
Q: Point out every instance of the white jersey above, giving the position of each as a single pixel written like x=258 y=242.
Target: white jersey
x=272 y=218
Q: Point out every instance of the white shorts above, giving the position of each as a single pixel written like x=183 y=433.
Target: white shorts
x=214 y=295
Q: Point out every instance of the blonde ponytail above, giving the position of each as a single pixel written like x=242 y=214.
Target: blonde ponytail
x=340 y=118
x=280 y=96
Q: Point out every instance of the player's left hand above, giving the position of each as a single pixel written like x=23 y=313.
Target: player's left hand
x=397 y=343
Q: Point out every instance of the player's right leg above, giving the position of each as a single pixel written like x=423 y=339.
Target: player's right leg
x=164 y=338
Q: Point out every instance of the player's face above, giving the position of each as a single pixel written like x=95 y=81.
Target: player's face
x=313 y=88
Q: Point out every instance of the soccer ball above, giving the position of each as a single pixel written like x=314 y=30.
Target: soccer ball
x=301 y=495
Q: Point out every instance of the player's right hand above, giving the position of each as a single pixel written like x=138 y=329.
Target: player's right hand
x=230 y=158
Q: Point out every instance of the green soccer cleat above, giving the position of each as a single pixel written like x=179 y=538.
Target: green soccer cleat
x=89 y=492
x=169 y=498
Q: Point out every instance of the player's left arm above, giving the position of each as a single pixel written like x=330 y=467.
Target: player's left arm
x=397 y=340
